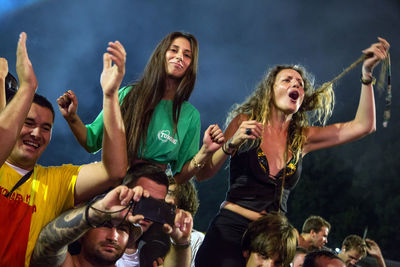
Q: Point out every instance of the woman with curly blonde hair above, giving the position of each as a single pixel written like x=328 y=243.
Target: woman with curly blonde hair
x=267 y=137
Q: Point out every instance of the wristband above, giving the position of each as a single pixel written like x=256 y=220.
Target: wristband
x=182 y=246
x=369 y=81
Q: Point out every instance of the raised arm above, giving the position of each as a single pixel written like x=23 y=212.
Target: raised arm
x=3 y=75
x=180 y=253
x=364 y=121
x=212 y=141
x=68 y=106
x=97 y=177
x=235 y=135
x=51 y=246
x=13 y=115
x=374 y=250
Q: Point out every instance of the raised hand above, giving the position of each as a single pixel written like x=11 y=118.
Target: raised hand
x=68 y=104
x=26 y=75
x=3 y=75
x=376 y=52
x=373 y=248
x=181 y=231
x=213 y=138
x=113 y=67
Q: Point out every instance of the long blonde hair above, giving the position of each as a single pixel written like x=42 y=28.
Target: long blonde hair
x=317 y=106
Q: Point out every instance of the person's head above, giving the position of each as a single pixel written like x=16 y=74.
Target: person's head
x=35 y=134
x=353 y=249
x=299 y=257
x=184 y=196
x=318 y=229
x=289 y=89
x=322 y=258
x=270 y=240
x=105 y=245
x=152 y=178
x=174 y=61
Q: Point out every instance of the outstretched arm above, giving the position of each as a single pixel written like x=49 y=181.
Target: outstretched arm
x=97 y=177
x=51 y=246
x=13 y=115
x=365 y=119
x=212 y=141
x=68 y=106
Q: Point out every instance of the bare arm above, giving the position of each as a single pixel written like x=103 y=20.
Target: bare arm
x=13 y=115
x=180 y=254
x=364 y=121
x=235 y=135
x=3 y=75
x=68 y=106
x=374 y=250
x=51 y=246
x=212 y=141
x=97 y=177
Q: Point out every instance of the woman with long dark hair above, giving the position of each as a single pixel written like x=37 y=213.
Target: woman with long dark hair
x=161 y=126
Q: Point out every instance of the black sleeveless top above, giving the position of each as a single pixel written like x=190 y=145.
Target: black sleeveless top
x=250 y=184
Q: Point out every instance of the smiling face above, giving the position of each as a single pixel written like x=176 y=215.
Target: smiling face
x=178 y=57
x=33 y=139
x=288 y=91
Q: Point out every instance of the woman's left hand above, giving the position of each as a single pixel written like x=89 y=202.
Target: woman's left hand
x=113 y=67
x=376 y=52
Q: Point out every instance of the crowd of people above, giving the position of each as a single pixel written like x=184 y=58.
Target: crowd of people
x=147 y=130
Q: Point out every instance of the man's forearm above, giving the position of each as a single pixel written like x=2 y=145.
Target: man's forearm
x=51 y=246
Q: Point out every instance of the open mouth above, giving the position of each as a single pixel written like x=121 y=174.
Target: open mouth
x=31 y=144
x=294 y=95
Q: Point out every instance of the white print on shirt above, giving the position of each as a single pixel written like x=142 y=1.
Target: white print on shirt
x=164 y=136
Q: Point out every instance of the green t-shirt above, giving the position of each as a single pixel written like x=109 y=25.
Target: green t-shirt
x=161 y=146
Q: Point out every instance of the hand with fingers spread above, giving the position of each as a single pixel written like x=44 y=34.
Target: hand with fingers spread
x=68 y=105
x=113 y=67
x=26 y=75
x=213 y=138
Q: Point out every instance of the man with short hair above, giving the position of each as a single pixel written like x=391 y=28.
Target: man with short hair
x=269 y=241
x=314 y=234
x=354 y=248
x=32 y=195
x=322 y=258
x=105 y=226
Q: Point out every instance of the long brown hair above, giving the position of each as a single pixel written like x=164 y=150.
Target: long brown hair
x=138 y=105
x=317 y=106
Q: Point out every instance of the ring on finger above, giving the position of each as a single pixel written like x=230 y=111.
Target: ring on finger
x=248 y=131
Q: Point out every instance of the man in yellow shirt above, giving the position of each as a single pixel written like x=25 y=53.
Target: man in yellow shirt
x=27 y=204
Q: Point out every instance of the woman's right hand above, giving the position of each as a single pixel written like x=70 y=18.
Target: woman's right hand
x=247 y=130
x=68 y=105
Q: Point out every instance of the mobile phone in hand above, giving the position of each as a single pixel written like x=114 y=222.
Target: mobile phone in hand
x=156 y=210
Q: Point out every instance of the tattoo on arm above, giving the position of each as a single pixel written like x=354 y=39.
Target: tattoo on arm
x=52 y=244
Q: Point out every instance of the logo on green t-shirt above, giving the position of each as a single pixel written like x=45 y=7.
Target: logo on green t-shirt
x=164 y=136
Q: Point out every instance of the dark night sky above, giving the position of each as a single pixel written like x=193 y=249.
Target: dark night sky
x=239 y=41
